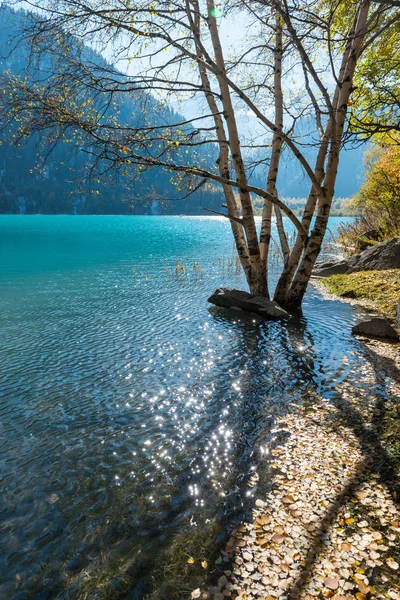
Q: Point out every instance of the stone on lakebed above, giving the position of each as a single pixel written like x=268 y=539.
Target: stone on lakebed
x=230 y=298
x=377 y=327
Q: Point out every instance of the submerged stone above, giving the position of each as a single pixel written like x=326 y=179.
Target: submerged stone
x=239 y=299
x=377 y=327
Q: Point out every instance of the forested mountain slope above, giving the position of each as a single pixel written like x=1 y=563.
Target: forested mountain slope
x=56 y=186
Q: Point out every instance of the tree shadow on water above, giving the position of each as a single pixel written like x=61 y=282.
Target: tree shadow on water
x=269 y=374
x=368 y=428
x=275 y=368
x=275 y=375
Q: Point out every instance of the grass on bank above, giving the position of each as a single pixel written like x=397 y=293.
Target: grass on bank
x=380 y=289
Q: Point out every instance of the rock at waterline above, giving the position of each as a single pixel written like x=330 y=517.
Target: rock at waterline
x=378 y=258
x=230 y=298
x=377 y=327
x=330 y=267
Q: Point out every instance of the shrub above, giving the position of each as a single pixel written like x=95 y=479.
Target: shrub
x=378 y=199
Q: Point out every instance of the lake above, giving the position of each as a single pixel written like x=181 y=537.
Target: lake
x=131 y=413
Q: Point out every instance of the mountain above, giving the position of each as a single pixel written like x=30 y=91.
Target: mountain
x=55 y=188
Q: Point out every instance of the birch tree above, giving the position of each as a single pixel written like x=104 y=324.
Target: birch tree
x=179 y=51
x=330 y=39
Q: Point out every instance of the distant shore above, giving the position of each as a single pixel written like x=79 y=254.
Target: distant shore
x=258 y=213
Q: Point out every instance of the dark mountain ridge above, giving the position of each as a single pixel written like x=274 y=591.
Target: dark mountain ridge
x=54 y=185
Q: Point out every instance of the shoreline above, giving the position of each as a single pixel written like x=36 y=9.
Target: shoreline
x=330 y=525
x=384 y=353
x=387 y=349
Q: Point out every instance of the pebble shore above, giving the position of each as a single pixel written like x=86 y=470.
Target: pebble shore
x=330 y=526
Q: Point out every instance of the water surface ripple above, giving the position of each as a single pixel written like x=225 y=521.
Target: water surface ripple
x=129 y=410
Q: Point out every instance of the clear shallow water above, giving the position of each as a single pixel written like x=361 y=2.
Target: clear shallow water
x=128 y=410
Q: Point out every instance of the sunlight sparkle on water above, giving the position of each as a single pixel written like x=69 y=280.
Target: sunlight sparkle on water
x=201 y=436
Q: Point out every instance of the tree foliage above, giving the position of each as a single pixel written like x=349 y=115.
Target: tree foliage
x=379 y=196
x=279 y=68
x=375 y=107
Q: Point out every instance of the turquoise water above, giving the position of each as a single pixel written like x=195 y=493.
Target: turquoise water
x=131 y=412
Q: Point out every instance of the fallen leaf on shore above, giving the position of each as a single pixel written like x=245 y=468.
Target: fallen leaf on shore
x=278 y=538
x=392 y=564
x=312 y=538
x=345 y=547
x=331 y=583
x=288 y=499
x=361 y=494
x=364 y=589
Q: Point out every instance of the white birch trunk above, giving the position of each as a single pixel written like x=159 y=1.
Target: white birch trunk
x=311 y=253
x=285 y=280
x=265 y=233
x=223 y=160
x=258 y=284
